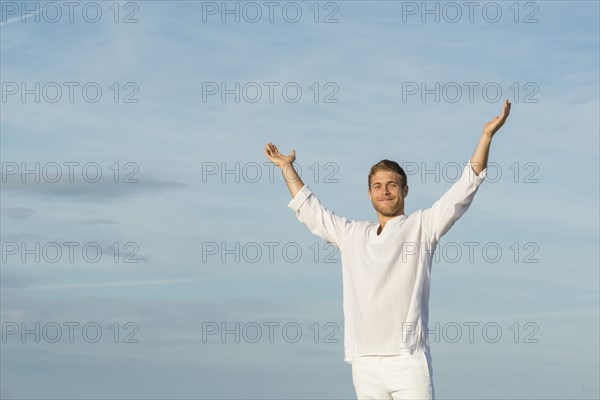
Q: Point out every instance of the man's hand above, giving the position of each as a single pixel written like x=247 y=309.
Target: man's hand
x=277 y=158
x=479 y=158
x=492 y=127
x=293 y=181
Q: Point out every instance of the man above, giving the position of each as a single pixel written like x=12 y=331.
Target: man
x=386 y=269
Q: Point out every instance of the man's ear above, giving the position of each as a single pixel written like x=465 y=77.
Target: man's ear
x=369 y=193
x=405 y=189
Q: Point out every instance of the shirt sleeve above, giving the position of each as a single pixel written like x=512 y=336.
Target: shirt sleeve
x=440 y=217
x=319 y=220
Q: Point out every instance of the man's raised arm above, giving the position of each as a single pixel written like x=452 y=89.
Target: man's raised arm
x=285 y=163
x=307 y=207
x=440 y=217
x=480 y=155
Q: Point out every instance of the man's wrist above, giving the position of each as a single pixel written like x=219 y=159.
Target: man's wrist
x=487 y=136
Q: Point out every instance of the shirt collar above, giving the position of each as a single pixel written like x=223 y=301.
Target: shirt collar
x=394 y=220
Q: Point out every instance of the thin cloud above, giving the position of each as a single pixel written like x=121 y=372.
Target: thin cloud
x=17 y=212
x=21 y=18
x=86 y=285
x=99 y=191
x=19 y=237
x=97 y=222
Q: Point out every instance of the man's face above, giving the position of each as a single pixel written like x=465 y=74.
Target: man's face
x=386 y=193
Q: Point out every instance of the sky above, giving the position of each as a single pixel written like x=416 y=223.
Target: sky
x=147 y=247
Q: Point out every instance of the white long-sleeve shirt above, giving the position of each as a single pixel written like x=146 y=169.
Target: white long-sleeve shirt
x=386 y=278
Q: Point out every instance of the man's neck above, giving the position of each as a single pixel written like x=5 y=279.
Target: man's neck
x=383 y=219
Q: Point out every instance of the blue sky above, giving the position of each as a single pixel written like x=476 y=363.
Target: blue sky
x=170 y=210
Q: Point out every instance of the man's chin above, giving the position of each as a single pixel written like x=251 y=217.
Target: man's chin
x=388 y=212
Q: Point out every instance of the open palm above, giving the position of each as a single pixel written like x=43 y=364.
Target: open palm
x=492 y=127
x=277 y=158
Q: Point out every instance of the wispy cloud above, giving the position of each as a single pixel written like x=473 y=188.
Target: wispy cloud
x=21 y=18
x=17 y=212
x=85 y=285
x=85 y=191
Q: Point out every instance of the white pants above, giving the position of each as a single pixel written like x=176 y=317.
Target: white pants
x=406 y=376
